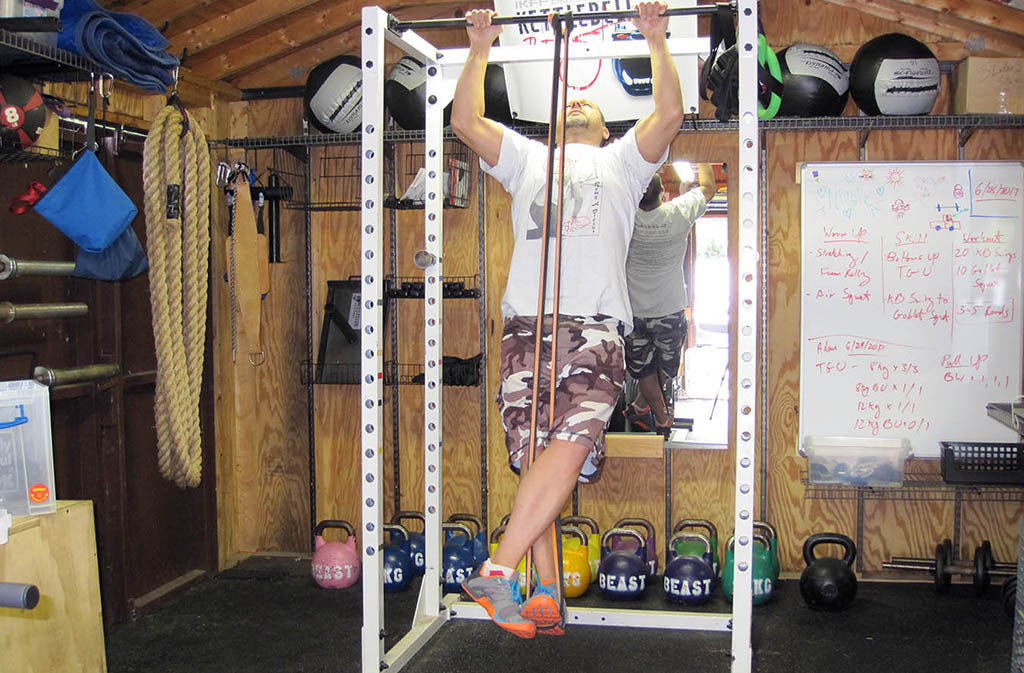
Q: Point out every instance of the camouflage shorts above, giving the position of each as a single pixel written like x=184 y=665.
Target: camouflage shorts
x=588 y=383
x=656 y=344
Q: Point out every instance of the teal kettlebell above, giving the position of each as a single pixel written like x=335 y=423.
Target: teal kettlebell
x=684 y=547
x=764 y=577
x=769 y=532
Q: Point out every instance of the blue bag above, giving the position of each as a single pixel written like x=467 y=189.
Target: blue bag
x=123 y=259
x=87 y=205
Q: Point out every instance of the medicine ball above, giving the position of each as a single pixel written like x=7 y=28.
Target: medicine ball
x=894 y=74
x=815 y=82
x=22 y=113
x=334 y=95
x=405 y=94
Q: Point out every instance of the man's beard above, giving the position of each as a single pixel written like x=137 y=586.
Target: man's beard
x=577 y=122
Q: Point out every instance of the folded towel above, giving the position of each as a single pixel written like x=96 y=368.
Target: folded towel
x=128 y=46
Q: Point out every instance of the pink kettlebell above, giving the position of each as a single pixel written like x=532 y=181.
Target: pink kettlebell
x=336 y=565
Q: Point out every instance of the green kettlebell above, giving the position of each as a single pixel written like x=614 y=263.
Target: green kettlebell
x=773 y=540
x=685 y=547
x=763 y=578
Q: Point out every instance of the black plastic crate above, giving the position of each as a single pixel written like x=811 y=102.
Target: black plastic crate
x=982 y=462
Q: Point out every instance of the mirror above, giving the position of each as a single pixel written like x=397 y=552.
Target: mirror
x=698 y=393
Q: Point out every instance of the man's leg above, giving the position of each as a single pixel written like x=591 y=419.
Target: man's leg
x=650 y=389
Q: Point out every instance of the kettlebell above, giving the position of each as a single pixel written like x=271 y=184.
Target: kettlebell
x=623 y=572
x=769 y=532
x=336 y=565
x=479 y=546
x=456 y=557
x=684 y=548
x=575 y=563
x=829 y=583
x=650 y=544
x=416 y=547
x=397 y=564
x=593 y=542
x=689 y=578
x=763 y=573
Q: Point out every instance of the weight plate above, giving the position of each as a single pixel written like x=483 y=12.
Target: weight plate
x=942 y=576
x=981 y=575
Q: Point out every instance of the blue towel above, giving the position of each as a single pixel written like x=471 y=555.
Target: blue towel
x=128 y=46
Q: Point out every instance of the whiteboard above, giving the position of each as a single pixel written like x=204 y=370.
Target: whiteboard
x=910 y=300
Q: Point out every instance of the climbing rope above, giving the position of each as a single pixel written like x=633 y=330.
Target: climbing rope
x=176 y=174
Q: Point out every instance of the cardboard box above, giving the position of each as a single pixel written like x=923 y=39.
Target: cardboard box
x=856 y=461
x=26 y=449
x=988 y=86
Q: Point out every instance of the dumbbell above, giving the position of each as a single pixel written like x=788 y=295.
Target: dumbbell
x=943 y=569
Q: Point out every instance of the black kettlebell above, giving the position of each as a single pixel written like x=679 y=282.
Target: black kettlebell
x=829 y=583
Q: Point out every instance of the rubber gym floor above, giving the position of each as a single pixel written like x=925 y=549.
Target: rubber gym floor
x=267 y=615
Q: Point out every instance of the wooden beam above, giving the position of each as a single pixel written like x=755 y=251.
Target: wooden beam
x=944 y=51
x=232 y=24
x=159 y=12
x=934 y=22
x=985 y=12
x=291 y=69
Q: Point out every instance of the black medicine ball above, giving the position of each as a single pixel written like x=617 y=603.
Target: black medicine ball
x=22 y=113
x=894 y=74
x=405 y=94
x=815 y=82
x=334 y=95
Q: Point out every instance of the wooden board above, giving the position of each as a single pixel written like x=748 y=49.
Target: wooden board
x=57 y=553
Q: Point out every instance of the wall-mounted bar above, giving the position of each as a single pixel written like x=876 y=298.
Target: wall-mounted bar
x=18 y=596
x=16 y=268
x=62 y=377
x=10 y=312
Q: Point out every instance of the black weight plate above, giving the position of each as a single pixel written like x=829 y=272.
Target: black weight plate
x=986 y=549
x=22 y=113
x=981 y=575
x=942 y=576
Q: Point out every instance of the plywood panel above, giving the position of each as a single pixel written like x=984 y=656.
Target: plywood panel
x=57 y=553
x=903 y=528
x=997 y=522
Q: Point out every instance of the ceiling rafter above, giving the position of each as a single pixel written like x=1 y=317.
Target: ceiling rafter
x=985 y=12
x=232 y=24
x=292 y=70
x=951 y=27
x=159 y=12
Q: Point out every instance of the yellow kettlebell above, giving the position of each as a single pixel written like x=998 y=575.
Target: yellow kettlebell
x=593 y=541
x=495 y=538
x=575 y=562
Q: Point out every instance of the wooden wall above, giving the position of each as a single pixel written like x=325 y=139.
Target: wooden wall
x=265 y=480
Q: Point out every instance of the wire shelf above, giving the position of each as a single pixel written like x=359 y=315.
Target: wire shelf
x=917 y=486
x=411 y=178
x=463 y=372
x=453 y=287
x=43 y=60
x=31 y=154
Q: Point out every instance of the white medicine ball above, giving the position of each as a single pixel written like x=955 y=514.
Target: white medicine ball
x=815 y=82
x=334 y=95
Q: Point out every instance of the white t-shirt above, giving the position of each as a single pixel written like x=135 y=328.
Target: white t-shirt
x=654 y=267
x=602 y=187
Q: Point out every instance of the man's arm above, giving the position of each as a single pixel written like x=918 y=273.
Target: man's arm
x=656 y=131
x=480 y=134
x=706 y=181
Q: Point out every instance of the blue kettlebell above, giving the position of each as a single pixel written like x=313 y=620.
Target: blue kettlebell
x=416 y=546
x=456 y=558
x=650 y=545
x=689 y=578
x=479 y=546
x=397 y=564
x=623 y=572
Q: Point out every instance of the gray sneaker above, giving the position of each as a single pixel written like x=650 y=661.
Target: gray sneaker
x=502 y=601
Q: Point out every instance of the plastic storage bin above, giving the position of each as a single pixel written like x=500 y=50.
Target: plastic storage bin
x=982 y=462
x=33 y=9
x=856 y=461
x=26 y=449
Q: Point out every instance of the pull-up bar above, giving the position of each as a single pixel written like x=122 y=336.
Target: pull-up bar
x=433 y=24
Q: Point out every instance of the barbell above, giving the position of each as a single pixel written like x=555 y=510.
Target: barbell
x=943 y=568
